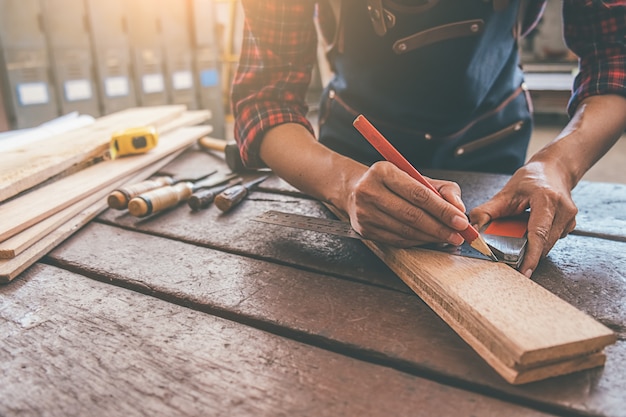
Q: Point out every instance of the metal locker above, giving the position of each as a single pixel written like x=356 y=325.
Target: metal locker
x=66 y=27
x=111 y=54
x=29 y=98
x=206 y=52
x=144 y=31
x=176 y=31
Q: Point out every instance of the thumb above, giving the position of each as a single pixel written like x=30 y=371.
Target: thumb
x=492 y=209
x=479 y=217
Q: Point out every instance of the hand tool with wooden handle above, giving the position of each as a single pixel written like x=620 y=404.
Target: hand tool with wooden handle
x=391 y=154
x=165 y=197
x=230 y=149
x=118 y=199
x=202 y=199
x=232 y=196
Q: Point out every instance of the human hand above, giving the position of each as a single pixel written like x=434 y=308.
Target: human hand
x=387 y=205
x=546 y=190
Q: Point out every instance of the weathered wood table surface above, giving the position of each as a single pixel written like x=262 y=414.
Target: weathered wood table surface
x=212 y=314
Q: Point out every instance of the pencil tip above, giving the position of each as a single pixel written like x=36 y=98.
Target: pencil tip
x=481 y=246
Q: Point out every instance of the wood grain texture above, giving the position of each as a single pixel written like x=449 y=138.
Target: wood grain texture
x=514 y=324
x=25 y=211
x=185 y=119
x=23 y=168
x=32 y=244
x=366 y=321
x=18 y=243
x=520 y=322
x=232 y=231
x=73 y=346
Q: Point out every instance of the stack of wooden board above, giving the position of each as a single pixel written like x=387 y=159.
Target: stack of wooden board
x=522 y=330
x=48 y=190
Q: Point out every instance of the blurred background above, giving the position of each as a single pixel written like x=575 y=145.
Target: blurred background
x=95 y=57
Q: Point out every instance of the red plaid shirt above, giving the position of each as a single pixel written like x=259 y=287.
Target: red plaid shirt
x=280 y=45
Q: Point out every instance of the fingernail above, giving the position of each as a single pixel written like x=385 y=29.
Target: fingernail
x=459 y=222
x=455 y=239
x=461 y=203
x=528 y=272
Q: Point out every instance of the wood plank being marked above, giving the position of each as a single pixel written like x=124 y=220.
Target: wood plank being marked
x=522 y=330
x=11 y=268
x=23 y=168
x=43 y=202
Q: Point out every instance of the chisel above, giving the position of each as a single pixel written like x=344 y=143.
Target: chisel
x=169 y=196
x=202 y=199
x=119 y=199
x=232 y=196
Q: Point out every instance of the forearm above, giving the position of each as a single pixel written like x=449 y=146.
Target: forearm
x=294 y=155
x=269 y=88
x=383 y=202
x=597 y=124
x=545 y=183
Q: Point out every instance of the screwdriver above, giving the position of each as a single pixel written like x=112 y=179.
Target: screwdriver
x=118 y=199
x=165 y=197
x=232 y=196
x=202 y=199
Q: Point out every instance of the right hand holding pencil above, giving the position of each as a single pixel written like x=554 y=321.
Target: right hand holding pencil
x=389 y=206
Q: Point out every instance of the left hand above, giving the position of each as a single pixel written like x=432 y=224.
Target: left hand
x=546 y=190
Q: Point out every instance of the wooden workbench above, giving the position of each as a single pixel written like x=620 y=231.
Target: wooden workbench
x=211 y=314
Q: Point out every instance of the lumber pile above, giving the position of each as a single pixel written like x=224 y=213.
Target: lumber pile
x=523 y=331
x=50 y=189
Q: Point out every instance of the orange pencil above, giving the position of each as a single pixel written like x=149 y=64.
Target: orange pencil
x=391 y=154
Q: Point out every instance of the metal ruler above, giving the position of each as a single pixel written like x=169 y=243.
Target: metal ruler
x=343 y=229
x=316 y=224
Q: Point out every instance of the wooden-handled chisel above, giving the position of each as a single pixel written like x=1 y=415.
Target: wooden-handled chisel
x=119 y=198
x=202 y=199
x=232 y=196
x=165 y=197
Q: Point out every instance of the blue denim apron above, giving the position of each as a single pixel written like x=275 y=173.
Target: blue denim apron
x=441 y=80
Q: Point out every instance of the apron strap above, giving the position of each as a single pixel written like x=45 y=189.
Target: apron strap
x=377 y=16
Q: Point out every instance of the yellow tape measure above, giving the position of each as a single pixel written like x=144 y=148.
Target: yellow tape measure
x=133 y=141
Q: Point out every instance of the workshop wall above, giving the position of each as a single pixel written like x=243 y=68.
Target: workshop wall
x=101 y=56
x=97 y=57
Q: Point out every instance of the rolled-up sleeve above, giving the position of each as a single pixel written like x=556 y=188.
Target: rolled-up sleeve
x=595 y=30
x=277 y=57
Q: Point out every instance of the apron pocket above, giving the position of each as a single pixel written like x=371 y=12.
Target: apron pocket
x=491 y=139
